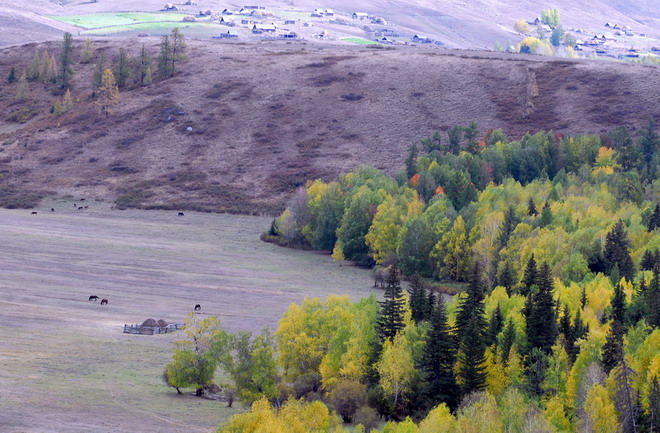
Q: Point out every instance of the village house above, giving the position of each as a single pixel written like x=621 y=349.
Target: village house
x=289 y=22
x=264 y=28
x=229 y=34
x=360 y=16
x=329 y=12
x=289 y=35
x=421 y=39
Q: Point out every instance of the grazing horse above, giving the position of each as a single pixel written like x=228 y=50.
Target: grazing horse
x=181 y=214
x=80 y=207
x=52 y=209
x=198 y=307
x=94 y=298
x=104 y=302
x=33 y=213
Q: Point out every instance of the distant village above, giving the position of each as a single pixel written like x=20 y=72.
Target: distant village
x=255 y=22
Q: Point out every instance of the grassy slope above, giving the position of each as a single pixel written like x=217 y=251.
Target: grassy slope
x=267 y=117
x=65 y=365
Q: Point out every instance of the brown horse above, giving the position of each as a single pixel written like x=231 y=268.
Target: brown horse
x=104 y=302
x=94 y=298
x=198 y=307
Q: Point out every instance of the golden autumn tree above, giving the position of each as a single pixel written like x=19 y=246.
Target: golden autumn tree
x=108 y=93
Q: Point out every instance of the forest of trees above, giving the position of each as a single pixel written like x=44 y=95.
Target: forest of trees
x=557 y=330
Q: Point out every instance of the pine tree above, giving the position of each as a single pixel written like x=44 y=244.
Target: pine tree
x=529 y=277
x=178 y=49
x=653 y=300
x=613 y=347
x=540 y=314
x=495 y=326
x=87 y=52
x=471 y=357
x=122 y=69
x=531 y=207
x=33 y=71
x=438 y=360
x=626 y=399
x=650 y=260
x=390 y=316
x=507 y=341
x=578 y=330
x=510 y=223
x=583 y=298
x=617 y=251
x=648 y=141
x=507 y=278
x=108 y=93
x=164 y=68
x=172 y=51
x=66 y=62
x=23 y=90
x=411 y=160
x=654 y=405
x=546 y=215
x=472 y=306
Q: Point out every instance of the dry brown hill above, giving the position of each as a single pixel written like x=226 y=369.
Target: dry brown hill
x=241 y=125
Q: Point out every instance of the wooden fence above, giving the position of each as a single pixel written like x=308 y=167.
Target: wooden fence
x=151 y=330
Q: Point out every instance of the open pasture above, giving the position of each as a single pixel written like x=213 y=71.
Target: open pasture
x=65 y=364
x=99 y=20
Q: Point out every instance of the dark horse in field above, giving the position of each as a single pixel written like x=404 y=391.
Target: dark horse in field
x=104 y=302
x=198 y=307
x=94 y=298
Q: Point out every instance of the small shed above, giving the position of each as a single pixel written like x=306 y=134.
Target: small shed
x=229 y=34
x=329 y=12
x=421 y=39
x=264 y=28
x=189 y=19
x=360 y=16
x=289 y=35
x=289 y=22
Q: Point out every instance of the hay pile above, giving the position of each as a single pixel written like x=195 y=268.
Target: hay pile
x=150 y=323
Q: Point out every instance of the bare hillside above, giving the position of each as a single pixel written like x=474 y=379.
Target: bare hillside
x=241 y=125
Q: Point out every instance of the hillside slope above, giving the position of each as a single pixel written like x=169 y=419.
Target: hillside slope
x=241 y=125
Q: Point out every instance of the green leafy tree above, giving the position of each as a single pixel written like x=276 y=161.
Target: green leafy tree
x=196 y=357
x=521 y=26
x=456 y=249
x=252 y=366
x=414 y=247
x=550 y=17
x=66 y=62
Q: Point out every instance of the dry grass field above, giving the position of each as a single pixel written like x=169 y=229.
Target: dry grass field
x=65 y=364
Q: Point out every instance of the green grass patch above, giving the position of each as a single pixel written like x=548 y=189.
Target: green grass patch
x=96 y=21
x=359 y=41
x=190 y=29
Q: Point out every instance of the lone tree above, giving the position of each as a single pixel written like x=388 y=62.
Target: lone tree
x=172 y=51
x=108 y=93
x=66 y=62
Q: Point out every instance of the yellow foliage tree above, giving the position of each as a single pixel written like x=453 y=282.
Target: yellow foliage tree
x=439 y=420
x=521 y=26
x=108 y=93
x=396 y=367
x=600 y=414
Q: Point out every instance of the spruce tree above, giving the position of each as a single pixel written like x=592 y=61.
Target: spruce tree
x=652 y=297
x=471 y=357
x=390 y=316
x=540 y=314
x=508 y=341
x=626 y=399
x=583 y=298
x=613 y=347
x=418 y=299
x=411 y=160
x=650 y=260
x=619 y=305
x=164 y=58
x=144 y=67
x=531 y=208
x=509 y=224
x=472 y=306
x=507 y=278
x=99 y=68
x=66 y=62
x=44 y=68
x=617 y=251
x=33 y=71
x=438 y=360
x=495 y=326
x=546 y=216
x=11 y=76
x=654 y=221
x=529 y=277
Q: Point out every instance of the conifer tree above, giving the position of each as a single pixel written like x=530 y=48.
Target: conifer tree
x=122 y=70
x=531 y=208
x=67 y=101
x=626 y=398
x=619 y=304
x=471 y=357
x=540 y=314
x=617 y=251
x=390 y=316
x=11 y=76
x=613 y=347
x=653 y=300
x=99 y=68
x=23 y=90
x=494 y=326
x=45 y=68
x=507 y=278
x=418 y=299
x=507 y=341
x=583 y=298
x=33 y=71
x=54 y=67
x=144 y=67
x=510 y=223
x=654 y=221
x=472 y=306
x=108 y=93
x=546 y=216
x=172 y=51
x=529 y=277
x=438 y=360
x=66 y=62
x=87 y=52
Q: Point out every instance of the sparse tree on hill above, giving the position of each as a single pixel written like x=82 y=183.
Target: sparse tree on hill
x=172 y=51
x=122 y=69
x=23 y=91
x=33 y=71
x=144 y=67
x=550 y=17
x=45 y=68
x=67 y=101
x=11 y=76
x=66 y=62
x=87 y=52
x=99 y=67
x=521 y=26
x=108 y=93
